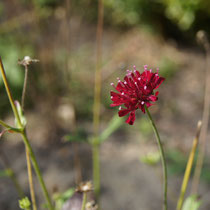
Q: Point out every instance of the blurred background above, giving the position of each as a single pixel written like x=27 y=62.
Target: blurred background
x=61 y=34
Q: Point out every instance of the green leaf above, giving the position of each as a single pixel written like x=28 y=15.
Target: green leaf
x=60 y=199
x=151 y=158
x=25 y=204
x=5 y=173
x=191 y=203
x=113 y=125
x=20 y=113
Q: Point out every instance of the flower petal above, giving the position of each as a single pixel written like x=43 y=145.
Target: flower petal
x=159 y=82
x=153 y=98
x=123 y=112
x=131 y=118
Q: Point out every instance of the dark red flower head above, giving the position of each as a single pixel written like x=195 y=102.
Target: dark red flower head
x=136 y=91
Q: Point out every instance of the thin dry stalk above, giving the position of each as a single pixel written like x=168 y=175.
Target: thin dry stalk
x=189 y=167
x=28 y=161
x=97 y=101
x=205 y=118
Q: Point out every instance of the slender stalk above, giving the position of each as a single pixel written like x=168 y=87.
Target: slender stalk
x=37 y=170
x=163 y=160
x=30 y=180
x=9 y=94
x=97 y=90
x=24 y=87
x=30 y=175
x=96 y=170
x=97 y=101
x=18 y=130
x=205 y=118
x=24 y=136
x=188 y=168
x=84 y=200
x=4 y=124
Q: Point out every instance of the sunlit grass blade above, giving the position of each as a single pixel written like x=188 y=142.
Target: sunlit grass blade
x=188 y=168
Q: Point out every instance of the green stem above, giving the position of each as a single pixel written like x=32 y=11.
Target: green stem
x=163 y=160
x=188 y=168
x=96 y=170
x=37 y=170
x=17 y=130
x=9 y=94
x=84 y=200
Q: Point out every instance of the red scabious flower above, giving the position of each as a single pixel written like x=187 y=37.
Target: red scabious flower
x=135 y=92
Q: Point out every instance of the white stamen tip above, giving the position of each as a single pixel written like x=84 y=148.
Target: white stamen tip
x=112 y=97
x=139 y=78
x=135 y=83
x=123 y=93
x=142 y=102
x=120 y=108
x=145 y=87
x=112 y=84
x=125 y=82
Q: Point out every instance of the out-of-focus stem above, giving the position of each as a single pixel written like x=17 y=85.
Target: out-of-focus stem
x=96 y=170
x=97 y=101
x=205 y=118
x=163 y=160
x=84 y=200
x=188 y=168
x=12 y=175
x=97 y=90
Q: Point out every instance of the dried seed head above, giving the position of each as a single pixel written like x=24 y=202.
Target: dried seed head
x=84 y=187
x=27 y=60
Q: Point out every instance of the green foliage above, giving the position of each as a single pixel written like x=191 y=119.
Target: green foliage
x=79 y=136
x=151 y=158
x=113 y=125
x=167 y=67
x=191 y=203
x=25 y=204
x=60 y=199
x=176 y=161
x=182 y=12
x=145 y=126
x=6 y=173
x=11 y=52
